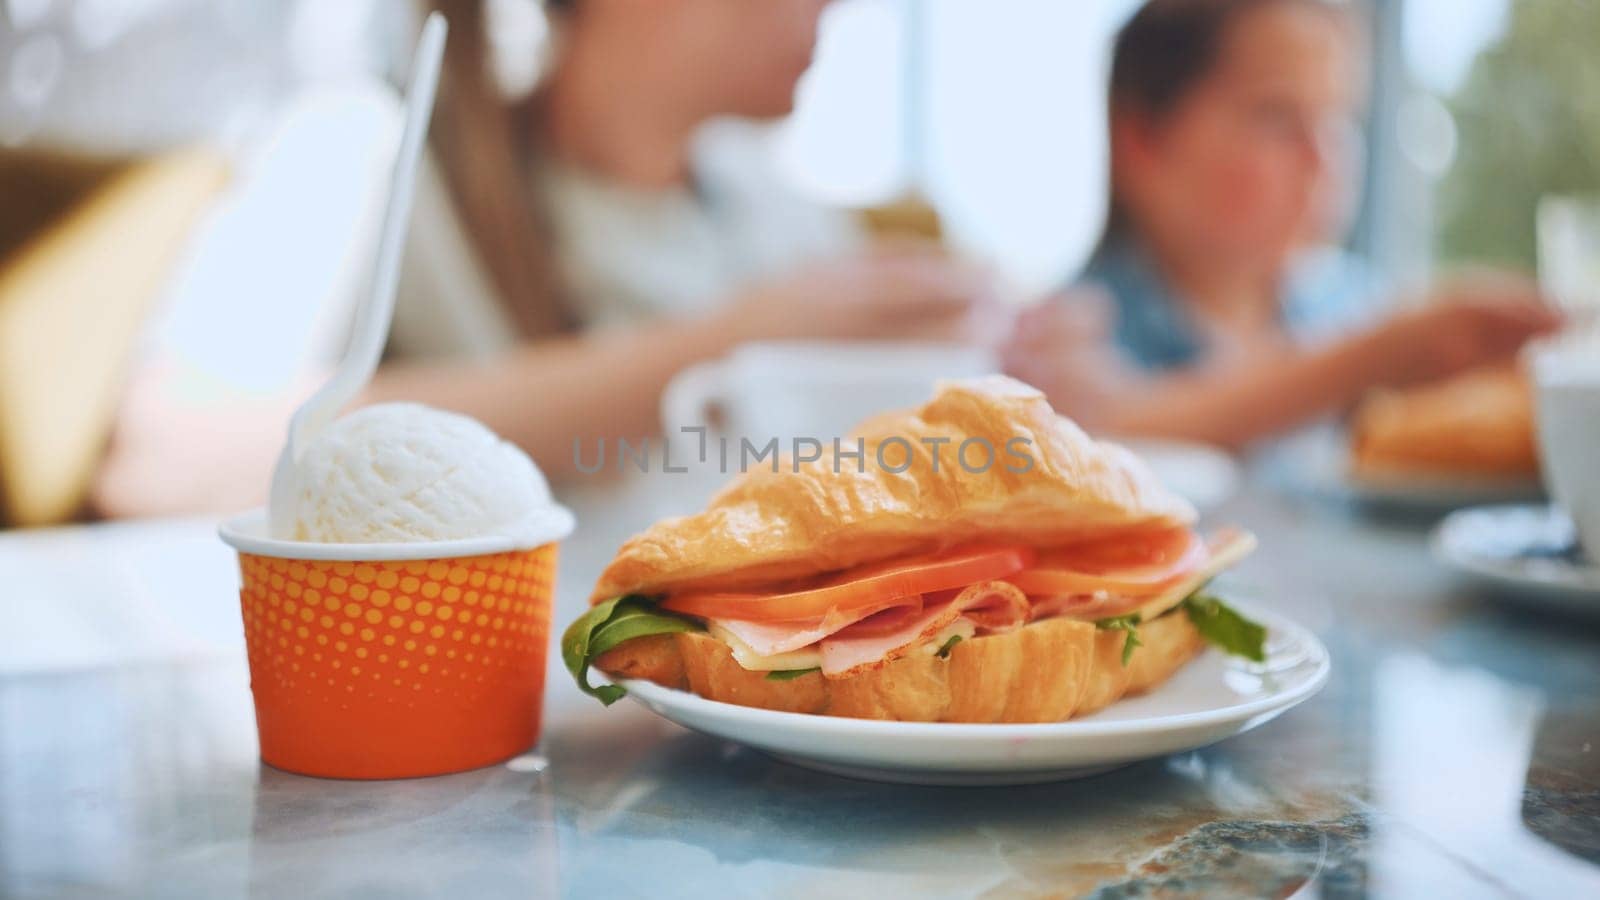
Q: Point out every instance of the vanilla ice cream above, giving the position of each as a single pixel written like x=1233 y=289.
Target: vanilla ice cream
x=402 y=472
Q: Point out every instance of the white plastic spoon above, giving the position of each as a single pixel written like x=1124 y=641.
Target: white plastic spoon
x=374 y=316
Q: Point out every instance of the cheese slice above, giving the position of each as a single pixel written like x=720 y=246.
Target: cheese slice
x=811 y=657
x=808 y=657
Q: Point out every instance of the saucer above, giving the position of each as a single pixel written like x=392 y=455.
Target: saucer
x=1529 y=551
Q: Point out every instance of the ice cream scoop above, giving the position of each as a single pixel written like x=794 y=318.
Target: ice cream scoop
x=403 y=472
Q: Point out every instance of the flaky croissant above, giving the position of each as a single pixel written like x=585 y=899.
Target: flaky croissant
x=1046 y=483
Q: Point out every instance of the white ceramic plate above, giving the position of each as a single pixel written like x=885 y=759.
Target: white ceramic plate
x=1200 y=473
x=1529 y=552
x=1212 y=698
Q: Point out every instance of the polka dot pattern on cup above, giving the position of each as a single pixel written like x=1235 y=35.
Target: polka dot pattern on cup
x=407 y=633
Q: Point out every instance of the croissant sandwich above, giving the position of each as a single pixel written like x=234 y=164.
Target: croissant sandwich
x=979 y=559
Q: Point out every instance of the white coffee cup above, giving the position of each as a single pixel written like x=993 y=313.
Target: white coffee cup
x=806 y=389
x=1567 y=379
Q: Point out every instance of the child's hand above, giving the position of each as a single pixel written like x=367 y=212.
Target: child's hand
x=1062 y=346
x=1465 y=325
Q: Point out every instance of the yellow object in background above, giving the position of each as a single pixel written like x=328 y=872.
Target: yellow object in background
x=73 y=299
x=908 y=216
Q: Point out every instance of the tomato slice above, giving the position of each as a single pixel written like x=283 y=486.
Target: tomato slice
x=1150 y=550
x=872 y=587
x=1133 y=567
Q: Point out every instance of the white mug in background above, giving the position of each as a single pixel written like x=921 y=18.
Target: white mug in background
x=1567 y=380
x=804 y=389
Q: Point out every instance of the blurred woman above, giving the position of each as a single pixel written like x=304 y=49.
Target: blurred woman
x=641 y=163
x=627 y=208
x=585 y=245
x=1232 y=126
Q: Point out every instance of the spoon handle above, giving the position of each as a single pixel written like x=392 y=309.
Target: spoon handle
x=373 y=318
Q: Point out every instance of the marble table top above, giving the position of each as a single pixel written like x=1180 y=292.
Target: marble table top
x=1455 y=753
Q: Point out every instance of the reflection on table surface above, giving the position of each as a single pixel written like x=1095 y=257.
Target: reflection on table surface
x=1453 y=754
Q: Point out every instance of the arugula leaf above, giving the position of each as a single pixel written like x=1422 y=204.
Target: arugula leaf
x=947 y=646
x=605 y=626
x=790 y=674
x=575 y=647
x=1224 y=628
x=1129 y=625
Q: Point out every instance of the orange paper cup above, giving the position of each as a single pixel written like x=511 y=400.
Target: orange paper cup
x=368 y=667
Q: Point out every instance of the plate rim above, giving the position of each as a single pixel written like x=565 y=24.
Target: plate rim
x=646 y=692
x=1457 y=491
x=247 y=532
x=1585 y=580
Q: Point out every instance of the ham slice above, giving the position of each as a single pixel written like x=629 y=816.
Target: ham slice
x=890 y=621
x=864 y=639
x=993 y=605
x=773 y=638
x=1085 y=606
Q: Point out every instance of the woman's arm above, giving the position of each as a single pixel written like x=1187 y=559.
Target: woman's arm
x=180 y=450
x=549 y=394
x=546 y=395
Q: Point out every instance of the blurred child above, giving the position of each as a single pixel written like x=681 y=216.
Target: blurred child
x=1233 y=136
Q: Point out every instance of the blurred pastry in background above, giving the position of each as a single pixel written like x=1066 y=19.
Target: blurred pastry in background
x=1476 y=424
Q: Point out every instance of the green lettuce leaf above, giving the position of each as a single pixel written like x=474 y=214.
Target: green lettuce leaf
x=791 y=674
x=944 y=649
x=1224 y=628
x=1129 y=625
x=605 y=626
